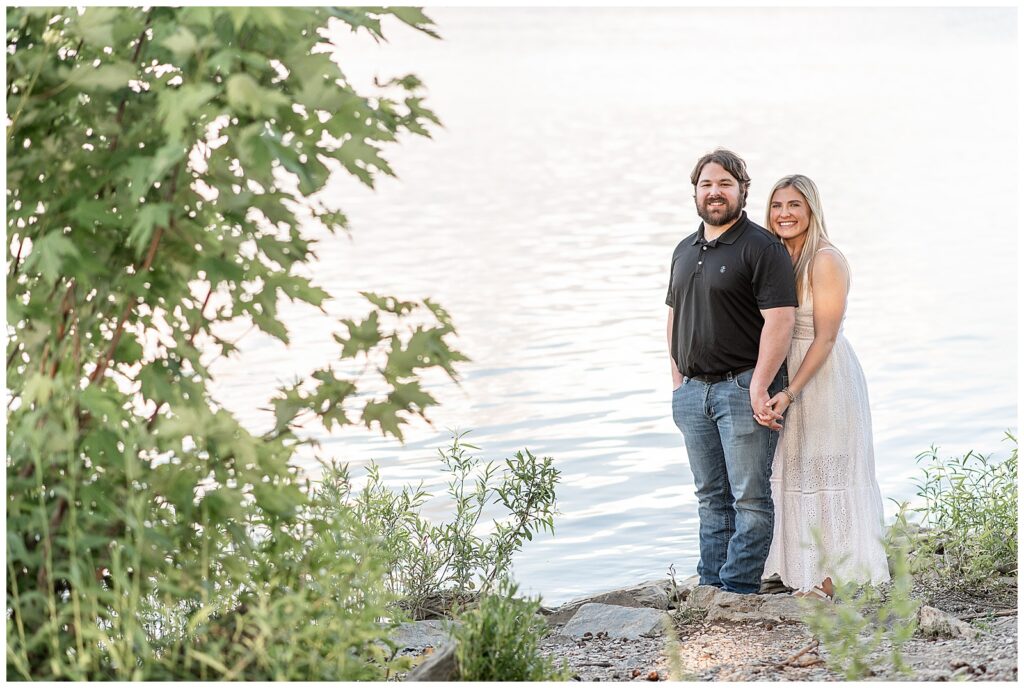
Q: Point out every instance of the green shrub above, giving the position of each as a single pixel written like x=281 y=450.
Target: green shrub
x=434 y=566
x=969 y=513
x=499 y=640
x=313 y=608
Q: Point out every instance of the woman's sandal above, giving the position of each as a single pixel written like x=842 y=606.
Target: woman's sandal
x=815 y=593
x=818 y=594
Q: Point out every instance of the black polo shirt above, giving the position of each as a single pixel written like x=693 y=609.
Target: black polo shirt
x=718 y=289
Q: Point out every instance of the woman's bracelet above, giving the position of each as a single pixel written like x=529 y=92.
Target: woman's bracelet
x=792 y=397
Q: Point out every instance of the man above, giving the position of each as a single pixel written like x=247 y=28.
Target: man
x=732 y=305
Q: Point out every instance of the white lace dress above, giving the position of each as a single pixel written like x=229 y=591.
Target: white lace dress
x=823 y=474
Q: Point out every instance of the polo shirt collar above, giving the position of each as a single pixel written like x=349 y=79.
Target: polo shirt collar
x=730 y=236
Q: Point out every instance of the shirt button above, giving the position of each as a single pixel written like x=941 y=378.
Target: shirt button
x=700 y=262
x=705 y=248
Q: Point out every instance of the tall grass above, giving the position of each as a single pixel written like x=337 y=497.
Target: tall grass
x=969 y=510
x=304 y=602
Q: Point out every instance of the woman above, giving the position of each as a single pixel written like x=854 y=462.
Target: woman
x=828 y=508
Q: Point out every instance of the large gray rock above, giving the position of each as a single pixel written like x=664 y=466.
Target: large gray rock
x=932 y=622
x=616 y=621
x=419 y=635
x=729 y=606
x=702 y=596
x=564 y=613
x=440 y=666
x=654 y=594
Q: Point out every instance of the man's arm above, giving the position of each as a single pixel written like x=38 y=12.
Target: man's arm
x=775 y=339
x=677 y=377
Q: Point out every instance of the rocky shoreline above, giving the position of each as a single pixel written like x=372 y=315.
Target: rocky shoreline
x=661 y=630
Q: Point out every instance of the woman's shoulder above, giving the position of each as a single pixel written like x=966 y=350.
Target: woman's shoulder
x=829 y=254
x=830 y=263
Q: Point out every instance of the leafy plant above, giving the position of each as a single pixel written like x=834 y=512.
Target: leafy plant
x=164 y=169
x=434 y=566
x=853 y=628
x=969 y=513
x=499 y=640
x=314 y=609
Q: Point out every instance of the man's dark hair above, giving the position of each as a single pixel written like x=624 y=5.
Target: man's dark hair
x=732 y=163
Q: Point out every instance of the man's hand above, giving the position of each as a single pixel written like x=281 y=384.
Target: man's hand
x=763 y=408
x=775 y=338
x=677 y=377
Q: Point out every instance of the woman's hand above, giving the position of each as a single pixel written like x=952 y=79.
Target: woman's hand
x=776 y=407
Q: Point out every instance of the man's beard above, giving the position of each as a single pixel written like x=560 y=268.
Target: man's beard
x=719 y=217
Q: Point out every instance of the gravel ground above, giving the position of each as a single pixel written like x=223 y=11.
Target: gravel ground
x=990 y=657
x=724 y=651
x=749 y=652
x=609 y=659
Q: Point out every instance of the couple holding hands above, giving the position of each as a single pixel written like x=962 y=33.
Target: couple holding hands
x=768 y=393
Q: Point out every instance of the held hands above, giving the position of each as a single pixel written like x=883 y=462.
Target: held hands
x=779 y=403
x=768 y=412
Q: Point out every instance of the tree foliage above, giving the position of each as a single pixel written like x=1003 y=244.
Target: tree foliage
x=164 y=168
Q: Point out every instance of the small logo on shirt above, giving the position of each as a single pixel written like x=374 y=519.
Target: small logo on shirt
x=721 y=269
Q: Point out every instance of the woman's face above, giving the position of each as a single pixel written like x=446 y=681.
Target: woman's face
x=789 y=213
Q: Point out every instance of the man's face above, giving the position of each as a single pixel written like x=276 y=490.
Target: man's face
x=717 y=196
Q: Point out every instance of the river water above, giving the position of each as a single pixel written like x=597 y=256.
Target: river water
x=543 y=217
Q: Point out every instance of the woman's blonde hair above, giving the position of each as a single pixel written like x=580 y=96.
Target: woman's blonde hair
x=817 y=235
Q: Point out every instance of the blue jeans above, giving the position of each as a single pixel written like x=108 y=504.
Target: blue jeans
x=731 y=458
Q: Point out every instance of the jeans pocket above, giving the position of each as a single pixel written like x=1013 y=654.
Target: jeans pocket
x=743 y=380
